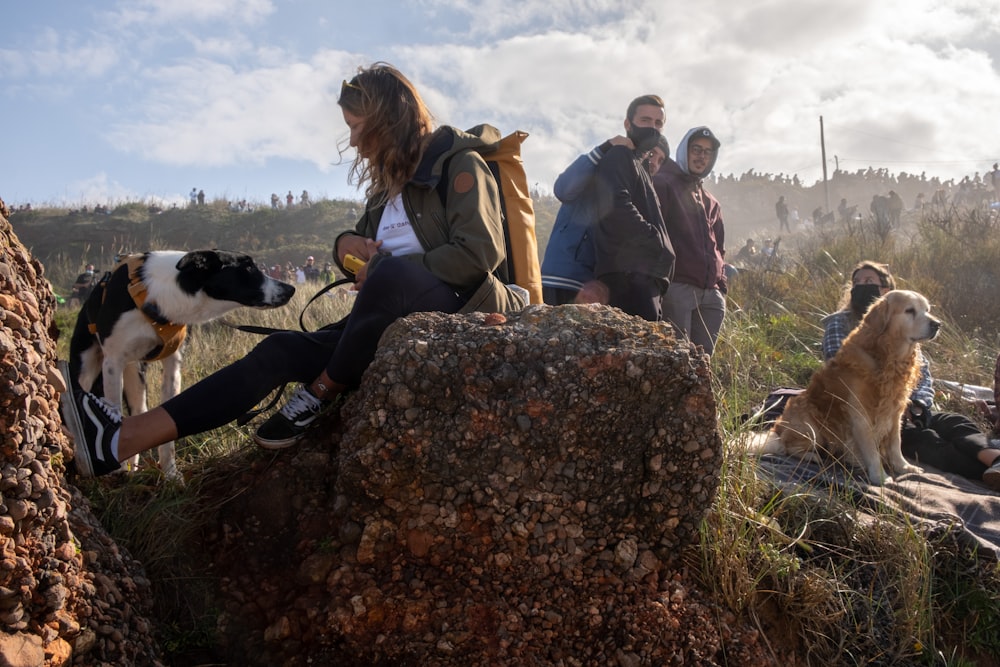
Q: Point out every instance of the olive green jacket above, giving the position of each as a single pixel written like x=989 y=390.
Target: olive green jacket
x=464 y=242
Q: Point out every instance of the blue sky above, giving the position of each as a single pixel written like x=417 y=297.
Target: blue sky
x=110 y=101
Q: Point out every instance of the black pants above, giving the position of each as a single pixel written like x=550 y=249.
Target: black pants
x=558 y=296
x=399 y=287
x=636 y=294
x=951 y=442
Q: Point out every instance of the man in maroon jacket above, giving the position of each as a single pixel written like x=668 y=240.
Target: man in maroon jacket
x=695 y=302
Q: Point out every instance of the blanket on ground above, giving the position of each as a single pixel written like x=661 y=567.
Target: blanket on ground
x=931 y=497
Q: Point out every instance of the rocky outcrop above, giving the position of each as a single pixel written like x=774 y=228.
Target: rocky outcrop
x=508 y=491
x=68 y=594
x=515 y=488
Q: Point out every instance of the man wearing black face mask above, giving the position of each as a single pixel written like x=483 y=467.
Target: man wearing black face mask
x=946 y=440
x=568 y=264
x=634 y=258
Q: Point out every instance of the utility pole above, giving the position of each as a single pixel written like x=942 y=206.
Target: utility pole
x=822 y=146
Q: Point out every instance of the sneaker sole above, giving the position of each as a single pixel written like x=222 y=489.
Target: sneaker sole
x=991 y=478
x=277 y=444
x=71 y=418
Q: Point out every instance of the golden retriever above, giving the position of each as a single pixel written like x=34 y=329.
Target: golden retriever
x=853 y=406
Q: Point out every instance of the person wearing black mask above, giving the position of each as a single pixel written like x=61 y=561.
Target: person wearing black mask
x=945 y=440
x=634 y=257
x=568 y=263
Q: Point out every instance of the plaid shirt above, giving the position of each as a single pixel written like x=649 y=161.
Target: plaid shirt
x=835 y=330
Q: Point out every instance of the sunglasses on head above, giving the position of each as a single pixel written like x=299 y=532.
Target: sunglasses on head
x=347 y=84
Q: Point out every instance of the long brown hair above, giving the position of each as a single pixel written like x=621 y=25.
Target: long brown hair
x=396 y=127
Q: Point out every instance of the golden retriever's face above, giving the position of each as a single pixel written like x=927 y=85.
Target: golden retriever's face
x=904 y=314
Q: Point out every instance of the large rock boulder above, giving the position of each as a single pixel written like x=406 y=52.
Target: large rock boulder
x=517 y=491
x=68 y=594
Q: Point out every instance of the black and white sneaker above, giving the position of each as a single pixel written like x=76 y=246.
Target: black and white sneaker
x=93 y=424
x=287 y=426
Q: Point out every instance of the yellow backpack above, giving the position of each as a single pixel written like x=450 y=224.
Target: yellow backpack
x=505 y=163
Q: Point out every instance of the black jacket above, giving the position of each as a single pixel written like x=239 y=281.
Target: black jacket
x=631 y=237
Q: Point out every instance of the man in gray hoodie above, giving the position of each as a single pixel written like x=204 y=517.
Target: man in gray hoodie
x=695 y=301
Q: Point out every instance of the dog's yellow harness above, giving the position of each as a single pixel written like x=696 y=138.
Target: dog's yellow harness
x=170 y=333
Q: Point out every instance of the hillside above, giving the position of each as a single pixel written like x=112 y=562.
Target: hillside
x=64 y=240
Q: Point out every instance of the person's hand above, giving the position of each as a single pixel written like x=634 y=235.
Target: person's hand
x=361 y=247
x=360 y=276
x=593 y=291
x=619 y=140
x=918 y=414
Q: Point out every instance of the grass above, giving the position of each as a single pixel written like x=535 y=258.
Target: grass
x=847 y=587
x=139 y=509
x=818 y=572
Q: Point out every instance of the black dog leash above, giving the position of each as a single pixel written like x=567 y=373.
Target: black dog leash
x=266 y=331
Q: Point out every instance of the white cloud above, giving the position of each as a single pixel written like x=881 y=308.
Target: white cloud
x=53 y=54
x=227 y=48
x=209 y=114
x=97 y=189
x=189 y=12
x=502 y=18
x=908 y=84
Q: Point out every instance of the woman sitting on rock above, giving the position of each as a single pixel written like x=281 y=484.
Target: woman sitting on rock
x=423 y=250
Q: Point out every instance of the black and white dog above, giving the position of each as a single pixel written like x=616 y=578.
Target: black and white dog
x=140 y=311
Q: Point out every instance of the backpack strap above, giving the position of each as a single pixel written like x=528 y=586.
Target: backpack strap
x=442 y=184
x=442 y=190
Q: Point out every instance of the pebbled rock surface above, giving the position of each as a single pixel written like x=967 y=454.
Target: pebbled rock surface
x=507 y=491
x=68 y=594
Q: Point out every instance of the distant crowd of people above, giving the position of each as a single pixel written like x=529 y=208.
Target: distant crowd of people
x=197 y=198
x=308 y=272
x=886 y=209
x=304 y=200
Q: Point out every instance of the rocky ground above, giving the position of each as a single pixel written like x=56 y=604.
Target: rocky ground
x=68 y=594
x=470 y=508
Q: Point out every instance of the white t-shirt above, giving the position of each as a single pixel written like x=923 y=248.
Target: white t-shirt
x=396 y=232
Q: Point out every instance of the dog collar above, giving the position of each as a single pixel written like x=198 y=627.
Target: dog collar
x=170 y=333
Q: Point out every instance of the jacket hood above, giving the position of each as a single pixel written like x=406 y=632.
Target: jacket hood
x=446 y=142
x=682 y=149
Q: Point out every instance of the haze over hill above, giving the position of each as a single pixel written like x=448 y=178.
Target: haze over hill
x=64 y=240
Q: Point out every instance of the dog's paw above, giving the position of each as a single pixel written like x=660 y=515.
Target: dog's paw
x=903 y=468
x=879 y=477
